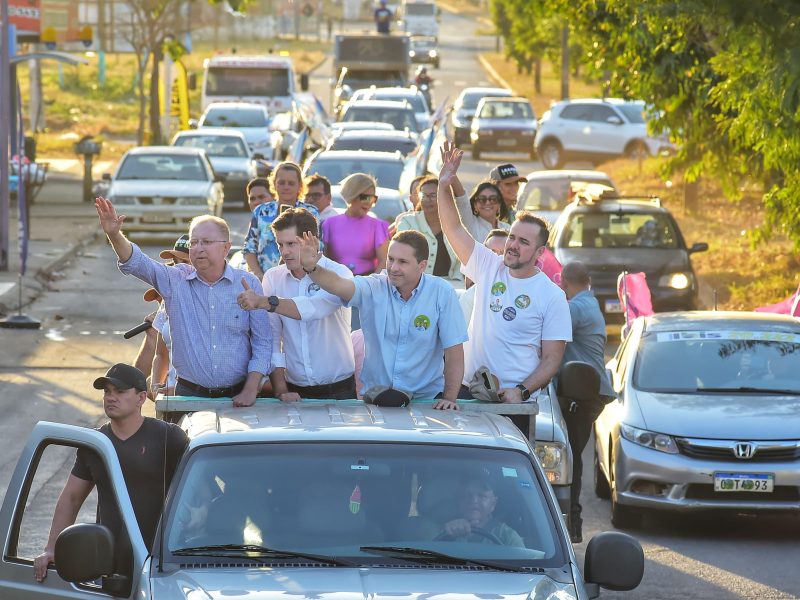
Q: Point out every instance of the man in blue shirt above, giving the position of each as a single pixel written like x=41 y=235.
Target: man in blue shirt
x=413 y=327
x=588 y=345
x=218 y=348
x=383 y=18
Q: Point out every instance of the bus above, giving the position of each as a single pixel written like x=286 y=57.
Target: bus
x=266 y=80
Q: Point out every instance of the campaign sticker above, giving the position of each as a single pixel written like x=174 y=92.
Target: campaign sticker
x=355 y=500
x=509 y=314
x=509 y=472
x=522 y=301
x=496 y=305
x=422 y=322
x=498 y=288
x=525 y=484
x=313 y=288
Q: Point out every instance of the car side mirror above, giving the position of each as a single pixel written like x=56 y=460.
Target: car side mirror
x=614 y=120
x=193 y=123
x=84 y=552
x=106 y=176
x=614 y=561
x=304 y=82
x=698 y=247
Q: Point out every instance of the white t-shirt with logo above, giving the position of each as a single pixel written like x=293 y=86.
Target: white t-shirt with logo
x=510 y=319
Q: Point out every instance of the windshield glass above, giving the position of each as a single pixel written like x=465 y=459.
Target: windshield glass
x=331 y=500
x=214 y=145
x=235 y=117
x=416 y=102
x=420 y=9
x=634 y=112
x=387 y=172
x=162 y=166
x=619 y=230
x=400 y=119
x=551 y=193
x=718 y=359
x=239 y=81
x=506 y=110
x=470 y=101
x=374 y=145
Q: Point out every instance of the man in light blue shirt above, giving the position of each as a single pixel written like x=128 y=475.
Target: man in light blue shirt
x=218 y=349
x=413 y=327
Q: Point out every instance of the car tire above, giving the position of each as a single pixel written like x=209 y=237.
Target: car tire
x=636 y=150
x=476 y=152
x=551 y=154
x=601 y=488
x=622 y=517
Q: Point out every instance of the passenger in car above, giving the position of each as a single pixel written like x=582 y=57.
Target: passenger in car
x=413 y=327
x=476 y=502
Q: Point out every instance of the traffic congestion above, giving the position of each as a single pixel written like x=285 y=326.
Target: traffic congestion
x=395 y=322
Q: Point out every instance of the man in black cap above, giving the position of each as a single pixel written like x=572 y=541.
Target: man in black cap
x=148 y=451
x=508 y=179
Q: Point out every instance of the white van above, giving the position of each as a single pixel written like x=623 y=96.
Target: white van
x=420 y=18
x=266 y=80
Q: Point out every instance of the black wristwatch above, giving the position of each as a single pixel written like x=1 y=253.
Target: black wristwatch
x=274 y=301
x=526 y=393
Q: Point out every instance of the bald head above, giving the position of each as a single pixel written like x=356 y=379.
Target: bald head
x=575 y=278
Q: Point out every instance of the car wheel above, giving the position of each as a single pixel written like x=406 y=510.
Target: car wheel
x=622 y=517
x=551 y=154
x=476 y=152
x=601 y=487
x=636 y=150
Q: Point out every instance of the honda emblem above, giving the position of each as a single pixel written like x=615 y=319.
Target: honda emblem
x=743 y=450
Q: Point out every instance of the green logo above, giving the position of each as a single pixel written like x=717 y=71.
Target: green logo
x=522 y=301
x=498 y=288
x=422 y=322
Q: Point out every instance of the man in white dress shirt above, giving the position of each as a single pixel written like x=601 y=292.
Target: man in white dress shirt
x=312 y=349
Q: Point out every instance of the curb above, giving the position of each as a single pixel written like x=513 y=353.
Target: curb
x=494 y=75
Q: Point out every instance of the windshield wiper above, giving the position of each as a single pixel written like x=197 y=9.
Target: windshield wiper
x=244 y=550
x=749 y=389
x=424 y=555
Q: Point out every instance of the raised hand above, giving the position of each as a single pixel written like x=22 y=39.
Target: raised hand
x=309 y=251
x=109 y=221
x=451 y=160
x=248 y=299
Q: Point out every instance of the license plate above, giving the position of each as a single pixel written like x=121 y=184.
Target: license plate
x=506 y=142
x=744 y=482
x=157 y=219
x=613 y=306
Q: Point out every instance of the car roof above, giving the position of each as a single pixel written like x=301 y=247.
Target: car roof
x=568 y=174
x=358 y=155
x=397 y=134
x=351 y=421
x=490 y=99
x=182 y=150
x=204 y=131
x=393 y=91
x=722 y=319
x=378 y=104
x=614 y=101
x=484 y=90
x=236 y=106
x=244 y=60
x=626 y=205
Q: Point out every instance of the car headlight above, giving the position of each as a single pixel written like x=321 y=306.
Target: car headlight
x=677 y=281
x=433 y=54
x=193 y=201
x=122 y=200
x=551 y=456
x=649 y=439
x=411 y=53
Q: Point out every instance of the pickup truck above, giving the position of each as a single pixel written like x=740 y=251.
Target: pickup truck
x=321 y=500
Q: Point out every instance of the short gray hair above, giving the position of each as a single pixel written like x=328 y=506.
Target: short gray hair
x=221 y=224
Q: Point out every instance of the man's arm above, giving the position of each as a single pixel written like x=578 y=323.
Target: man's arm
x=459 y=238
x=327 y=280
x=552 y=353
x=112 y=227
x=453 y=376
x=69 y=503
x=260 y=362
x=160 y=371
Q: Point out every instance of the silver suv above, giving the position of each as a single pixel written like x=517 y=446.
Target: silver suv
x=595 y=130
x=330 y=499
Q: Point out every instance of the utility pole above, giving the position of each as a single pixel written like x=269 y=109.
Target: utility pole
x=5 y=118
x=565 y=63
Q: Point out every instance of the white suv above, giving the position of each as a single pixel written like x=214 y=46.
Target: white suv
x=595 y=130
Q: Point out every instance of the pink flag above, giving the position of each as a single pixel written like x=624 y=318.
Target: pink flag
x=790 y=306
x=550 y=266
x=634 y=295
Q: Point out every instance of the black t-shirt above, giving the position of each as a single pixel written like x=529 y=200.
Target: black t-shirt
x=142 y=459
x=441 y=268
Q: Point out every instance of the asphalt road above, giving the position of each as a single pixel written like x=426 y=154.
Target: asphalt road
x=48 y=374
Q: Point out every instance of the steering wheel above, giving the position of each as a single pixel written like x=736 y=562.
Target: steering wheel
x=476 y=530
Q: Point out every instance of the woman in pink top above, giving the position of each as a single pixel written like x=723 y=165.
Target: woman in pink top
x=354 y=238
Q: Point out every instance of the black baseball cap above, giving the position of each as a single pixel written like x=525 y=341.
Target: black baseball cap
x=506 y=172
x=123 y=377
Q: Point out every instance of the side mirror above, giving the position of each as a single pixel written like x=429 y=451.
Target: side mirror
x=84 y=552
x=106 y=176
x=193 y=81
x=193 y=123
x=614 y=120
x=614 y=561
x=698 y=247
x=304 y=82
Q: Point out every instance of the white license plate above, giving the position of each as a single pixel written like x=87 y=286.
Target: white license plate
x=157 y=219
x=506 y=142
x=613 y=306
x=744 y=482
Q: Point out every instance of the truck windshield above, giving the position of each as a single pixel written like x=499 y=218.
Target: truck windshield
x=420 y=9
x=249 y=81
x=358 y=501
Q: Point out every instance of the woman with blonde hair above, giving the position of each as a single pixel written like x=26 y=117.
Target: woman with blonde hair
x=288 y=188
x=355 y=238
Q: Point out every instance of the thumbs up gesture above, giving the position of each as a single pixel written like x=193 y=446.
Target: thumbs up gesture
x=248 y=299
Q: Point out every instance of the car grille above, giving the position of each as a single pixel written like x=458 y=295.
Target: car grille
x=726 y=451
x=156 y=200
x=705 y=491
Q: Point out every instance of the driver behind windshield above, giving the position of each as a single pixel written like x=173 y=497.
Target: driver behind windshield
x=476 y=523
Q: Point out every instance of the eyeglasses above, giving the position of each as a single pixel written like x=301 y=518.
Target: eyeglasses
x=428 y=197
x=201 y=243
x=314 y=196
x=366 y=197
x=487 y=199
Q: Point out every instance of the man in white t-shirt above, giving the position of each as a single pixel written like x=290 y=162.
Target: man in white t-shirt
x=520 y=322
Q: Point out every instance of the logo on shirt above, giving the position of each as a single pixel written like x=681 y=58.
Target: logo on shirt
x=422 y=322
x=522 y=301
x=496 y=305
x=313 y=288
x=509 y=314
x=498 y=288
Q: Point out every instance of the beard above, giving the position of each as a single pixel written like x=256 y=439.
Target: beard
x=513 y=261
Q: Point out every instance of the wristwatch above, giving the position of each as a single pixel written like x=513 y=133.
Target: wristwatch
x=526 y=393
x=274 y=301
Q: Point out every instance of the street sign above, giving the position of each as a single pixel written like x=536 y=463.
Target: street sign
x=26 y=15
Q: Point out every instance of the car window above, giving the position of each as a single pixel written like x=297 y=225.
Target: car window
x=374 y=145
x=335 y=499
x=718 y=359
x=506 y=110
x=162 y=166
x=241 y=81
x=619 y=230
x=600 y=114
x=400 y=119
x=551 y=193
x=235 y=117
x=416 y=102
x=634 y=112
x=578 y=112
x=386 y=172
x=214 y=145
